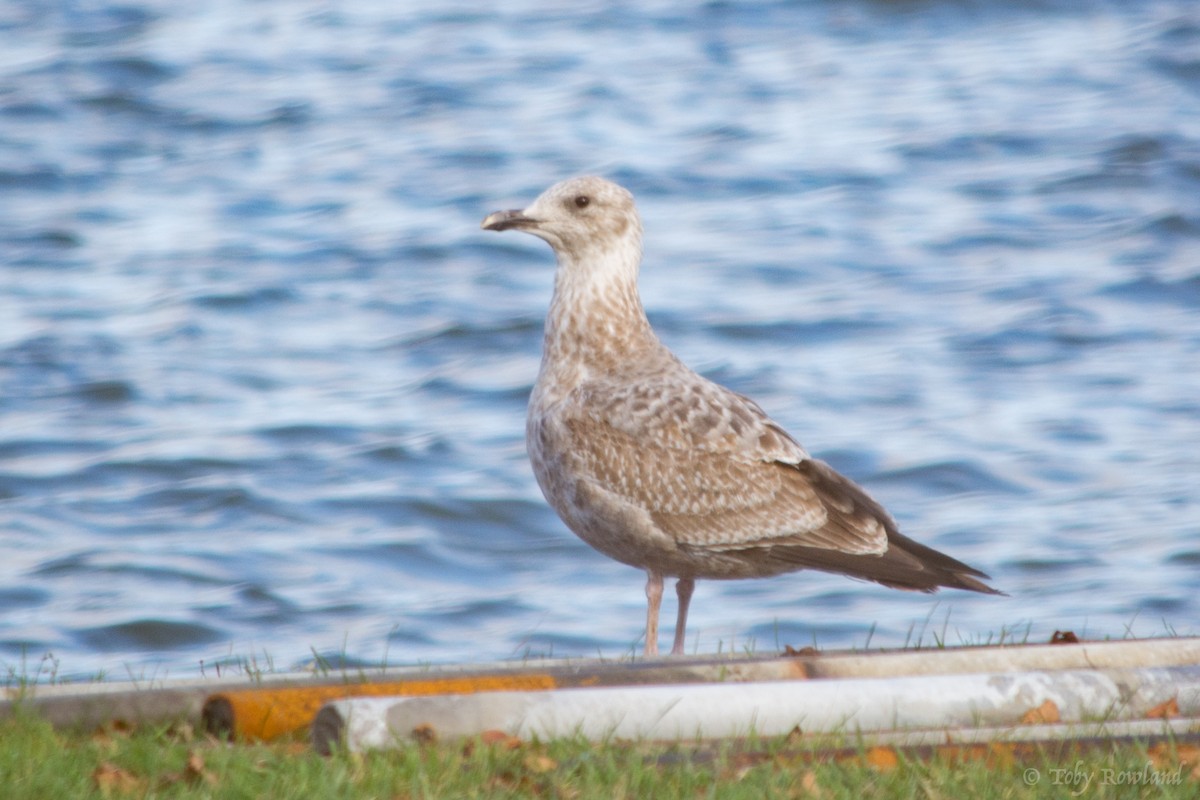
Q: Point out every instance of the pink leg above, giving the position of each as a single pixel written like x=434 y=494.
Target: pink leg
x=654 y=591
x=684 y=588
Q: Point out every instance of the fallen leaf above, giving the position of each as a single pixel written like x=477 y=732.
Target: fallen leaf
x=1064 y=637
x=1161 y=755
x=509 y=784
x=1168 y=756
x=535 y=762
x=809 y=785
x=183 y=732
x=1188 y=753
x=113 y=729
x=1044 y=714
x=788 y=650
x=1164 y=710
x=194 y=771
x=121 y=726
x=111 y=779
x=495 y=737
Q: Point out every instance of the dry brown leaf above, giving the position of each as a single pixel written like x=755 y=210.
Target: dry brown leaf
x=194 y=771
x=809 y=650
x=495 y=737
x=113 y=729
x=425 y=733
x=111 y=779
x=1161 y=755
x=1044 y=714
x=1188 y=753
x=1164 y=710
x=535 y=762
x=809 y=785
x=183 y=732
x=882 y=758
x=1184 y=757
x=508 y=783
x=1165 y=756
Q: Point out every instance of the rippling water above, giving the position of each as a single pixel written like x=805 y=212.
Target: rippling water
x=262 y=378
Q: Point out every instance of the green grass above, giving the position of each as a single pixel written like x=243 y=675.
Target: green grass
x=39 y=762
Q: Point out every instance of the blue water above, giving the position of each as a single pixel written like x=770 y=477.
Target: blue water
x=262 y=377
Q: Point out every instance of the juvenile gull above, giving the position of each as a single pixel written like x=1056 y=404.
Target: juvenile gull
x=660 y=468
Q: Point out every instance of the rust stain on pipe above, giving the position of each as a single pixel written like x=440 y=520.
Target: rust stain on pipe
x=268 y=713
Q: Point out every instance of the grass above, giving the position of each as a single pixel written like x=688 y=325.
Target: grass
x=172 y=761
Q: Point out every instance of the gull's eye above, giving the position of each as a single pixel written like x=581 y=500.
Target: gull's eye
x=582 y=201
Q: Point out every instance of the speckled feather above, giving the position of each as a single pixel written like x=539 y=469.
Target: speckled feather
x=660 y=468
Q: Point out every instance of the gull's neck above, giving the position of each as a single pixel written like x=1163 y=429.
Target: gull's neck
x=596 y=325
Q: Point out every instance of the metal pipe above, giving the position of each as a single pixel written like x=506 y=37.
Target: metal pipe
x=734 y=710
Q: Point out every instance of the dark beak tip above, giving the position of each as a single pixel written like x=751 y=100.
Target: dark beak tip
x=504 y=220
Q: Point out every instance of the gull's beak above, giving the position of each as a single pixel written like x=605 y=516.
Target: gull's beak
x=503 y=220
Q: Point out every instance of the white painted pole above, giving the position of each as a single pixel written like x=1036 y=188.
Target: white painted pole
x=709 y=711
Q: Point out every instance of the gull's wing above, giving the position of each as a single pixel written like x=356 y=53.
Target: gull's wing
x=714 y=471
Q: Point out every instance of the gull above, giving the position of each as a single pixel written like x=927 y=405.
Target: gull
x=662 y=469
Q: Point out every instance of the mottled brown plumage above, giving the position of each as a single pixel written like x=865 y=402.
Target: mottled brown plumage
x=660 y=468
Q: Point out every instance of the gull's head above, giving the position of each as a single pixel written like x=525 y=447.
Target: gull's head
x=577 y=217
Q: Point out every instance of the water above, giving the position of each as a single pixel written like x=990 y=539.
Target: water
x=262 y=377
